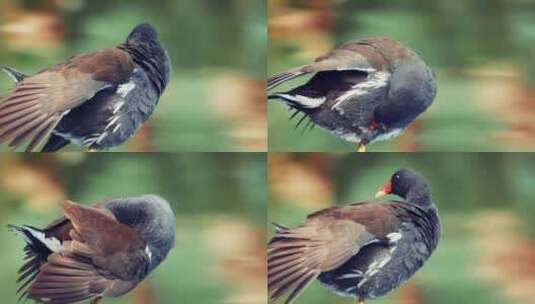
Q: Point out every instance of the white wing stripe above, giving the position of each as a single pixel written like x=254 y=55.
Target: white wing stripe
x=307 y=102
x=51 y=243
x=374 y=81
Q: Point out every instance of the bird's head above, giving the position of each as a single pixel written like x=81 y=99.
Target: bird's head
x=408 y=185
x=143 y=33
x=143 y=44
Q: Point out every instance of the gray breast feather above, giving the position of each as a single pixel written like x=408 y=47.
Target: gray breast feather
x=134 y=104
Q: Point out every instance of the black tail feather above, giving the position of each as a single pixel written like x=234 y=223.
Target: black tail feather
x=294 y=114
x=55 y=143
x=296 y=108
x=278 y=79
x=14 y=74
x=309 y=125
x=36 y=255
x=33 y=245
x=300 y=121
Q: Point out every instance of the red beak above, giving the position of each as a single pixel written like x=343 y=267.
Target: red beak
x=387 y=189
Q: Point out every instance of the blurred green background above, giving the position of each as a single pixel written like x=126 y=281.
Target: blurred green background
x=486 y=254
x=219 y=200
x=481 y=50
x=216 y=98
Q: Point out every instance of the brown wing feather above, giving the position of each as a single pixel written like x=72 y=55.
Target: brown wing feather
x=59 y=229
x=297 y=256
x=379 y=219
x=31 y=109
x=70 y=276
x=280 y=78
x=99 y=255
x=320 y=66
x=360 y=55
x=38 y=102
x=101 y=231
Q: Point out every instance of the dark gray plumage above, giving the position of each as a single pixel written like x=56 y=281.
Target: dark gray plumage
x=363 y=91
x=152 y=217
x=362 y=250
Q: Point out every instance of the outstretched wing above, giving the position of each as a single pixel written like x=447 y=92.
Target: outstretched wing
x=296 y=257
x=70 y=276
x=328 y=239
x=38 y=102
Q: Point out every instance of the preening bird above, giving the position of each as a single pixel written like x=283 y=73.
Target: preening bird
x=95 y=252
x=96 y=100
x=361 y=250
x=363 y=91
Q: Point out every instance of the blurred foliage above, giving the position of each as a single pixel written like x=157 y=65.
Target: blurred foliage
x=485 y=201
x=219 y=201
x=482 y=52
x=215 y=47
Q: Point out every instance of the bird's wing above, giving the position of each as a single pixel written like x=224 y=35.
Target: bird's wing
x=101 y=253
x=361 y=58
x=70 y=277
x=59 y=228
x=327 y=239
x=297 y=256
x=35 y=252
x=379 y=219
x=321 y=87
x=38 y=102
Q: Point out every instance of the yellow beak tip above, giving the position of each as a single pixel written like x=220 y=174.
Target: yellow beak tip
x=380 y=194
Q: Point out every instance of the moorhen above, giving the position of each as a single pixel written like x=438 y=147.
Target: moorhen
x=363 y=91
x=96 y=100
x=95 y=252
x=361 y=250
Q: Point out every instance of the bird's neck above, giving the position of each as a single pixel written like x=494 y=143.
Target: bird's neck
x=420 y=198
x=153 y=60
x=423 y=211
x=411 y=91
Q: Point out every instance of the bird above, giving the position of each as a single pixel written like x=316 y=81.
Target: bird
x=96 y=100
x=95 y=252
x=363 y=91
x=362 y=250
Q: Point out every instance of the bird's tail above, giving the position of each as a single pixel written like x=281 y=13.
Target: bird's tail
x=55 y=143
x=300 y=102
x=14 y=74
x=280 y=78
x=38 y=248
x=36 y=239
